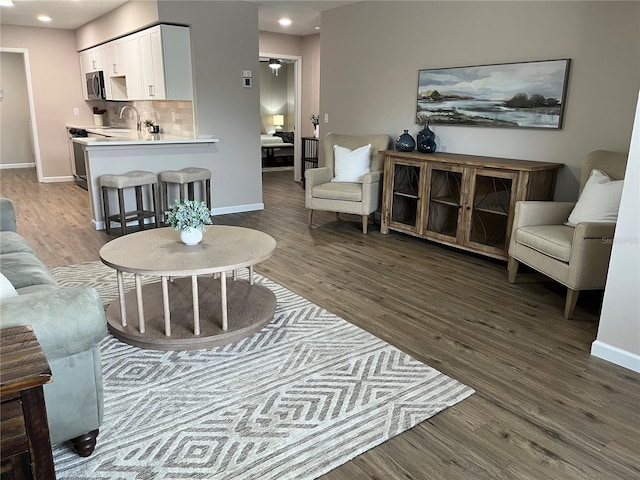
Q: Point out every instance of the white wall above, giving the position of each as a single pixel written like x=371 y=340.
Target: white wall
x=371 y=53
x=310 y=82
x=619 y=331
x=128 y=18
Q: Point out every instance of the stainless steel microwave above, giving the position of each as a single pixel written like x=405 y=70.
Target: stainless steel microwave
x=95 y=86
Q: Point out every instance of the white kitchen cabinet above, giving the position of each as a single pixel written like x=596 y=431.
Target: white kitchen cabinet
x=165 y=61
x=91 y=60
x=154 y=64
x=132 y=67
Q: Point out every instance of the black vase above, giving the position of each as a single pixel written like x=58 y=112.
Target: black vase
x=426 y=140
x=405 y=142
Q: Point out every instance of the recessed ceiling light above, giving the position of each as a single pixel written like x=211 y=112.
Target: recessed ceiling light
x=285 y=22
x=44 y=18
x=6 y=3
x=317 y=27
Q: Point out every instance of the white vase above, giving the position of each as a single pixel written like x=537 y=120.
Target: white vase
x=316 y=131
x=191 y=236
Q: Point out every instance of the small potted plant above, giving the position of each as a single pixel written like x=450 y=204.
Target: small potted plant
x=151 y=126
x=189 y=217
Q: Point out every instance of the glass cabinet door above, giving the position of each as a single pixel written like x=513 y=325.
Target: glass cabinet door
x=492 y=201
x=444 y=201
x=405 y=201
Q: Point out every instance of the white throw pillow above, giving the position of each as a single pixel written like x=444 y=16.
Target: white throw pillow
x=6 y=289
x=351 y=165
x=599 y=200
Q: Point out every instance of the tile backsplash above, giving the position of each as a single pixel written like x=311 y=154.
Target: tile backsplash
x=175 y=117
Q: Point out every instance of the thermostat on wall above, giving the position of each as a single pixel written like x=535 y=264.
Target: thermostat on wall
x=246 y=78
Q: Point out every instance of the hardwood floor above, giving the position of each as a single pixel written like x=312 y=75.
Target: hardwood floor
x=543 y=408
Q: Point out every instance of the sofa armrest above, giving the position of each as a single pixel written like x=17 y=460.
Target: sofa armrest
x=7 y=215
x=541 y=213
x=65 y=320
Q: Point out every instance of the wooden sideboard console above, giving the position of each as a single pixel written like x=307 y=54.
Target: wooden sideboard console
x=464 y=201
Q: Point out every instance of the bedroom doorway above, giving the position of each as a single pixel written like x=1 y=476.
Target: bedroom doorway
x=18 y=112
x=280 y=101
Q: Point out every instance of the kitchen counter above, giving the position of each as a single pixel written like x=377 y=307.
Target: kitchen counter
x=122 y=136
x=118 y=150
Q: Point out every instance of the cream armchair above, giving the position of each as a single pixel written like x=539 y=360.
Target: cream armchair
x=578 y=258
x=355 y=198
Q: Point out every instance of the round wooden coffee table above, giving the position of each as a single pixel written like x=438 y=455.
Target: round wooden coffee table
x=193 y=306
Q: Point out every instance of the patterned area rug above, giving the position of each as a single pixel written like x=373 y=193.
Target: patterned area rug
x=304 y=395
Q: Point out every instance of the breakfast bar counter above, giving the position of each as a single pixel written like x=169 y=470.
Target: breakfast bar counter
x=127 y=150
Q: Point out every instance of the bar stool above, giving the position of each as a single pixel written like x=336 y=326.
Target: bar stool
x=187 y=176
x=136 y=179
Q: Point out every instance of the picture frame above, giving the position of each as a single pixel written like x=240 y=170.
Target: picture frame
x=512 y=95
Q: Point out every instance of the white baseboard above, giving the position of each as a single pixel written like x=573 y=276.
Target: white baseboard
x=7 y=166
x=69 y=178
x=250 y=207
x=616 y=355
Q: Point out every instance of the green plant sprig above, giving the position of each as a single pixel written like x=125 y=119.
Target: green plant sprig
x=188 y=214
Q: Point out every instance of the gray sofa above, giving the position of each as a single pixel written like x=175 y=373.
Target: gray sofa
x=69 y=324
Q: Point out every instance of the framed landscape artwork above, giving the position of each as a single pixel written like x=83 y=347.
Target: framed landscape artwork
x=519 y=95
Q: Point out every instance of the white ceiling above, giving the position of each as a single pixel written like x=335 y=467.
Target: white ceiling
x=71 y=14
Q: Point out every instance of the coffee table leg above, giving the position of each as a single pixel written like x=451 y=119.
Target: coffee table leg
x=223 y=299
x=251 y=275
x=165 y=305
x=235 y=275
x=140 y=305
x=123 y=307
x=196 y=305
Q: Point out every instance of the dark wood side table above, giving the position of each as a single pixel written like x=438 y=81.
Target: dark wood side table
x=24 y=432
x=309 y=154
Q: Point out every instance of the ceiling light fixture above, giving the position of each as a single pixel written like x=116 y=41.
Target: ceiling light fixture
x=6 y=3
x=44 y=18
x=274 y=65
x=285 y=22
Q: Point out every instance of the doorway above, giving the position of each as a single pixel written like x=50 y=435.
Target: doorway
x=17 y=113
x=287 y=103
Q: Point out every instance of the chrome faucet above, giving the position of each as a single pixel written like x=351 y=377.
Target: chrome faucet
x=123 y=109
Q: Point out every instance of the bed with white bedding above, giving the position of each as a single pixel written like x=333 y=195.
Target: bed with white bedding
x=275 y=151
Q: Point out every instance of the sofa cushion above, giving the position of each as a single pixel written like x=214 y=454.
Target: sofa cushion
x=24 y=269
x=351 y=192
x=11 y=242
x=552 y=240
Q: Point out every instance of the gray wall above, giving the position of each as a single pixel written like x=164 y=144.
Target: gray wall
x=15 y=131
x=371 y=53
x=224 y=41
x=57 y=90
